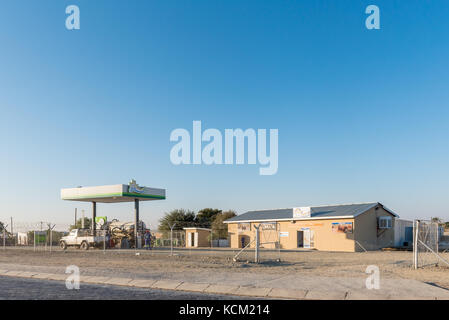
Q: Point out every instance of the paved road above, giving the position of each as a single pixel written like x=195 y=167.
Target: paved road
x=33 y=289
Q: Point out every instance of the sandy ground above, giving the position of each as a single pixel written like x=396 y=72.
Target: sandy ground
x=392 y=265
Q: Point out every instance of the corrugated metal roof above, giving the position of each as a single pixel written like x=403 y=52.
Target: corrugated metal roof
x=264 y=215
x=332 y=211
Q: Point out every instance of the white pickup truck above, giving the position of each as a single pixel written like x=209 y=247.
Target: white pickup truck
x=81 y=238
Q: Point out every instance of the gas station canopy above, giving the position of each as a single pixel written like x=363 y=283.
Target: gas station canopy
x=113 y=193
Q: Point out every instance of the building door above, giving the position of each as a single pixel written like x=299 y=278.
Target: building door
x=306 y=238
x=244 y=240
x=191 y=240
x=300 y=236
x=196 y=239
x=312 y=239
x=408 y=235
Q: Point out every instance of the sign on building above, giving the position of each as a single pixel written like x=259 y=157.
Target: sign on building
x=269 y=226
x=243 y=227
x=342 y=227
x=100 y=221
x=301 y=212
x=40 y=236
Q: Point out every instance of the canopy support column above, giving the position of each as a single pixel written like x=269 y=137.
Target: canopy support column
x=94 y=215
x=136 y=221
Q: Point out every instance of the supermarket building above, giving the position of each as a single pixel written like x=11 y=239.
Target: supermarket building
x=349 y=228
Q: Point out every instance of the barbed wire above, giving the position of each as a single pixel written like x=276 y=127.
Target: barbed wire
x=20 y=226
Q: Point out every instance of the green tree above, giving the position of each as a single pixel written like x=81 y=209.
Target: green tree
x=183 y=218
x=87 y=224
x=206 y=216
x=30 y=235
x=219 y=228
x=437 y=220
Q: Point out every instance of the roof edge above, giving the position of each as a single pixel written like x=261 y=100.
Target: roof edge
x=290 y=219
x=374 y=204
x=388 y=210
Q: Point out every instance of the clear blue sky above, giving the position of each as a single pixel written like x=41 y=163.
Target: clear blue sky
x=362 y=114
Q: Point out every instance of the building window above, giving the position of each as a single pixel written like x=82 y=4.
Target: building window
x=385 y=222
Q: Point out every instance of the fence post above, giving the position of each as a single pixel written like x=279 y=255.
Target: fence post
x=437 y=236
x=171 y=241
x=51 y=234
x=171 y=238
x=415 y=244
x=278 y=226
x=104 y=242
x=12 y=232
x=256 y=257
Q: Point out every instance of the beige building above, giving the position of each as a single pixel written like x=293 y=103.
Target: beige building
x=197 y=237
x=352 y=227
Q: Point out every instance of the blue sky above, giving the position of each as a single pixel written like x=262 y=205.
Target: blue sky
x=362 y=114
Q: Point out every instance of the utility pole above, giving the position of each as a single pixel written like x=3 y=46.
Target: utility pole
x=75 y=217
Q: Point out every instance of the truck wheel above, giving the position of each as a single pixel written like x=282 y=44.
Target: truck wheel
x=63 y=245
x=84 y=245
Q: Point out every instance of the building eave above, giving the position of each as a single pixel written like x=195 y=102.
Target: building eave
x=290 y=219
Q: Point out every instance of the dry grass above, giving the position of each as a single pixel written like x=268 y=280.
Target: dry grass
x=396 y=264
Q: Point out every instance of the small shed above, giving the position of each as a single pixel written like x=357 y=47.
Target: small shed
x=197 y=237
x=403 y=233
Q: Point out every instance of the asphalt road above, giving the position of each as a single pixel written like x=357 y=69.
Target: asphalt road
x=33 y=289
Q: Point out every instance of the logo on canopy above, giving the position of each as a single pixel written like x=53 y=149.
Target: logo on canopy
x=134 y=187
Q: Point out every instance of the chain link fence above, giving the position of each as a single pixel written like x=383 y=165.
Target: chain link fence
x=39 y=235
x=46 y=236
x=426 y=241
x=184 y=239
x=262 y=245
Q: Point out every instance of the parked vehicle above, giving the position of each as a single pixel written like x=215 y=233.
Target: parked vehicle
x=81 y=238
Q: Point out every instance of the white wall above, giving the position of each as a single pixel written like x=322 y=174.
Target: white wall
x=399 y=231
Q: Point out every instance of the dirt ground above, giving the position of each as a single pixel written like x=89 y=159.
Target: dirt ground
x=395 y=264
